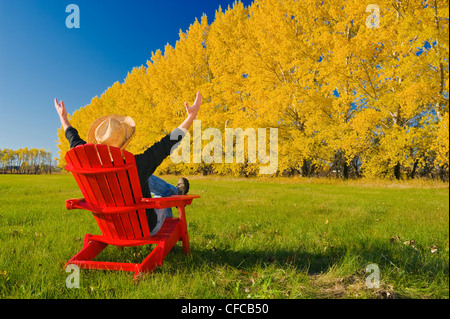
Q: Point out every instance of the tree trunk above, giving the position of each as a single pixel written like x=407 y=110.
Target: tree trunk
x=413 y=172
x=305 y=169
x=397 y=172
x=346 y=170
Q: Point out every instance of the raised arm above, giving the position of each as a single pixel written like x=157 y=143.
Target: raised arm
x=70 y=133
x=62 y=112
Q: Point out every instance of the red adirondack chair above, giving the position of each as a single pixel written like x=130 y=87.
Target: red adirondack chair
x=109 y=182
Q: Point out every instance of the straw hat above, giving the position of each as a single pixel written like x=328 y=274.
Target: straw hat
x=112 y=130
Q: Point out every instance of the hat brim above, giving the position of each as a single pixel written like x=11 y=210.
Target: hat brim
x=130 y=128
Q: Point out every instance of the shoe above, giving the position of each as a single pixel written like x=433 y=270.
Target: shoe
x=183 y=186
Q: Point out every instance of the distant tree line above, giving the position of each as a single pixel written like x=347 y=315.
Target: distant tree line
x=26 y=161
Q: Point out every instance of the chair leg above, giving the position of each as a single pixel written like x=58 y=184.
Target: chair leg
x=184 y=231
x=185 y=241
x=150 y=263
x=86 y=240
x=90 y=250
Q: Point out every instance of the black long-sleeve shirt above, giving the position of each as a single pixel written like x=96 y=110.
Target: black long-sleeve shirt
x=146 y=163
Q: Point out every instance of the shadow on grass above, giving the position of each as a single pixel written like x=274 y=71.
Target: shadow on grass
x=311 y=263
x=400 y=259
x=241 y=259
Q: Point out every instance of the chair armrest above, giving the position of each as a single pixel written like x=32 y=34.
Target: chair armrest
x=71 y=203
x=171 y=201
x=146 y=203
x=81 y=203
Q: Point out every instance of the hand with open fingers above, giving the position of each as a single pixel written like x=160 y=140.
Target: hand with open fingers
x=62 y=112
x=60 y=108
x=193 y=109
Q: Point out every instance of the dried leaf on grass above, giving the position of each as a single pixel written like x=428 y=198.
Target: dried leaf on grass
x=394 y=239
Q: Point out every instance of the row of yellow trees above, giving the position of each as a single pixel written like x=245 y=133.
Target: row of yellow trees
x=26 y=161
x=355 y=89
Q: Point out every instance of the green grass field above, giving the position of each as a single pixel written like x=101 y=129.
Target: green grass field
x=250 y=238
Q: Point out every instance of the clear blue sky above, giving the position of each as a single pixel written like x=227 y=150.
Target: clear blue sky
x=40 y=58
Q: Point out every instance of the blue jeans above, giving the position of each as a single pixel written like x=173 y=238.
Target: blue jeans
x=160 y=188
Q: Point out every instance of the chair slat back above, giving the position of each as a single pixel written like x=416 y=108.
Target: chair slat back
x=107 y=177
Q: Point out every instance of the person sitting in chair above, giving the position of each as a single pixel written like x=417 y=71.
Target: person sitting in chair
x=117 y=131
